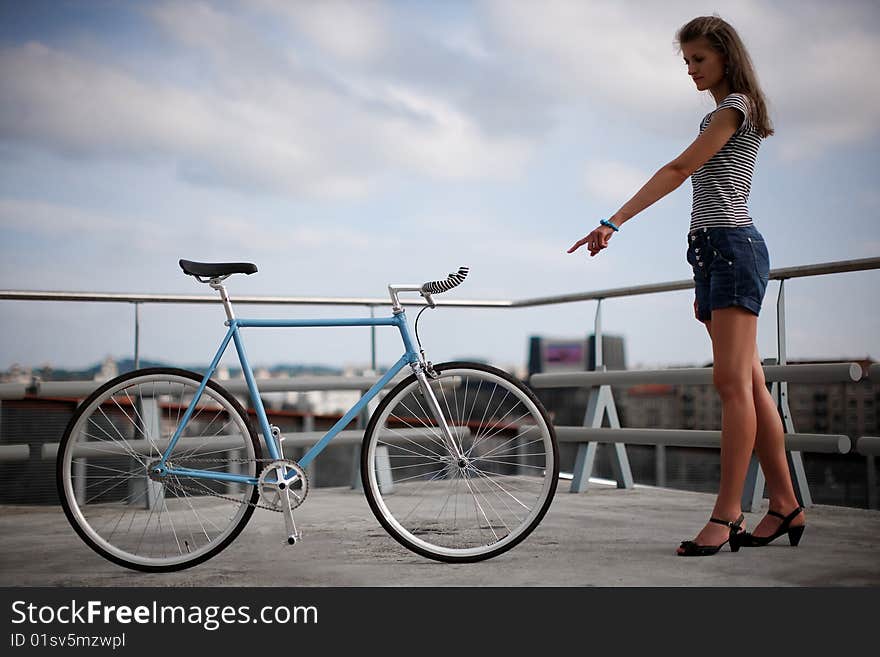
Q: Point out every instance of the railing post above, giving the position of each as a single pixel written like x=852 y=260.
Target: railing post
x=660 y=465
x=79 y=480
x=362 y=419
x=755 y=483
x=601 y=402
x=795 y=459
x=753 y=491
x=373 y=341
x=137 y=335
x=237 y=467
x=871 y=465
x=308 y=427
x=364 y=416
x=152 y=491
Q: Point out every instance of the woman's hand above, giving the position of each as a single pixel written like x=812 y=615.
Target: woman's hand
x=595 y=241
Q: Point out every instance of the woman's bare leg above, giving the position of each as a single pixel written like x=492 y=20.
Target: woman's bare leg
x=770 y=447
x=733 y=331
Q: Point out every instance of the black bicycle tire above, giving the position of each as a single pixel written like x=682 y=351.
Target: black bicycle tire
x=62 y=493
x=368 y=490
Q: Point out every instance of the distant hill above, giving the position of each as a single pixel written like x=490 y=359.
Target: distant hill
x=127 y=365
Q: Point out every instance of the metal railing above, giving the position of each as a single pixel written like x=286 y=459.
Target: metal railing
x=602 y=403
x=588 y=436
x=781 y=274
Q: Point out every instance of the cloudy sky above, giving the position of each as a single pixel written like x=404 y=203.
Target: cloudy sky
x=342 y=146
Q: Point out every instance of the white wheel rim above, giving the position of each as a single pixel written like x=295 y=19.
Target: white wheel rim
x=511 y=536
x=86 y=525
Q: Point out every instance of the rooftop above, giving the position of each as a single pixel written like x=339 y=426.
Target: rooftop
x=604 y=537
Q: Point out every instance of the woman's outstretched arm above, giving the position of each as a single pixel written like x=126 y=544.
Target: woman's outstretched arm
x=724 y=123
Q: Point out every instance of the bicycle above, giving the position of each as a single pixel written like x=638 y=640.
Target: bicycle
x=160 y=469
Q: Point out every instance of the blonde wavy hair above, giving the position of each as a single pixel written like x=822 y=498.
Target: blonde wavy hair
x=740 y=71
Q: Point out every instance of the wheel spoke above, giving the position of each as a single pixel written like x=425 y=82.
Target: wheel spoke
x=143 y=423
x=438 y=437
x=410 y=440
x=127 y=516
x=477 y=507
x=501 y=488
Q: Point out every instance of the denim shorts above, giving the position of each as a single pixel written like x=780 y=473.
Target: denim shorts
x=731 y=268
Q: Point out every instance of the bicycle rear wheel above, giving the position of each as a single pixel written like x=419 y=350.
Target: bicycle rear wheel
x=163 y=524
x=476 y=507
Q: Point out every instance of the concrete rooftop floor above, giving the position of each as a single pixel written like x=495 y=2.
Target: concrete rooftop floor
x=605 y=537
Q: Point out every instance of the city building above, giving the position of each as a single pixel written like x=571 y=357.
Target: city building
x=849 y=409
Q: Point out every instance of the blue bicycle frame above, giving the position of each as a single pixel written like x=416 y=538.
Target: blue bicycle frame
x=234 y=333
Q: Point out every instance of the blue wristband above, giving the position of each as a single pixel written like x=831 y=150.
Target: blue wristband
x=610 y=224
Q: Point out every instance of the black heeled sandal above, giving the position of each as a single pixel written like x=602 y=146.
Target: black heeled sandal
x=694 y=549
x=794 y=533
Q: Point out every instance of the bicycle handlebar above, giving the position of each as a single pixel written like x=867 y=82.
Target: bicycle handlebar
x=427 y=289
x=451 y=281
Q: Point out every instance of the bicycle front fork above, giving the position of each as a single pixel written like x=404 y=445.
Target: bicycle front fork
x=420 y=370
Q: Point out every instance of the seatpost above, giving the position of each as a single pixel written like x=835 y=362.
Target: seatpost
x=217 y=284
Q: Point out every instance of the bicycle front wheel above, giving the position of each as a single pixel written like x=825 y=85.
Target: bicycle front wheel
x=476 y=506
x=103 y=470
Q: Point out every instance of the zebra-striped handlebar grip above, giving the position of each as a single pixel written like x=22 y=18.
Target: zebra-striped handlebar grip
x=436 y=287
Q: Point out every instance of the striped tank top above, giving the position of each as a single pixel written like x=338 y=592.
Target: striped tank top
x=722 y=185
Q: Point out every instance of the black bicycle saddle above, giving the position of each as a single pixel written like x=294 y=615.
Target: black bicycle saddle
x=212 y=269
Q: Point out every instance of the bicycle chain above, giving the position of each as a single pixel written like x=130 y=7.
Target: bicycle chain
x=208 y=491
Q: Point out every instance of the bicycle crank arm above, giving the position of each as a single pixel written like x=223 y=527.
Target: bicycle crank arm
x=290 y=526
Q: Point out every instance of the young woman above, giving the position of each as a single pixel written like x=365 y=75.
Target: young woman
x=731 y=269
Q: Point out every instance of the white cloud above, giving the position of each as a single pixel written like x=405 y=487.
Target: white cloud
x=822 y=98
x=599 y=53
x=149 y=237
x=446 y=142
x=441 y=100
x=52 y=220
x=354 y=30
x=280 y=128
x=74 y=106
x=465 y=39
x=618 y=56
x=198 y=25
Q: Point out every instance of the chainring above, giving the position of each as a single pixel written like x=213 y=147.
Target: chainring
x=292 y=492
